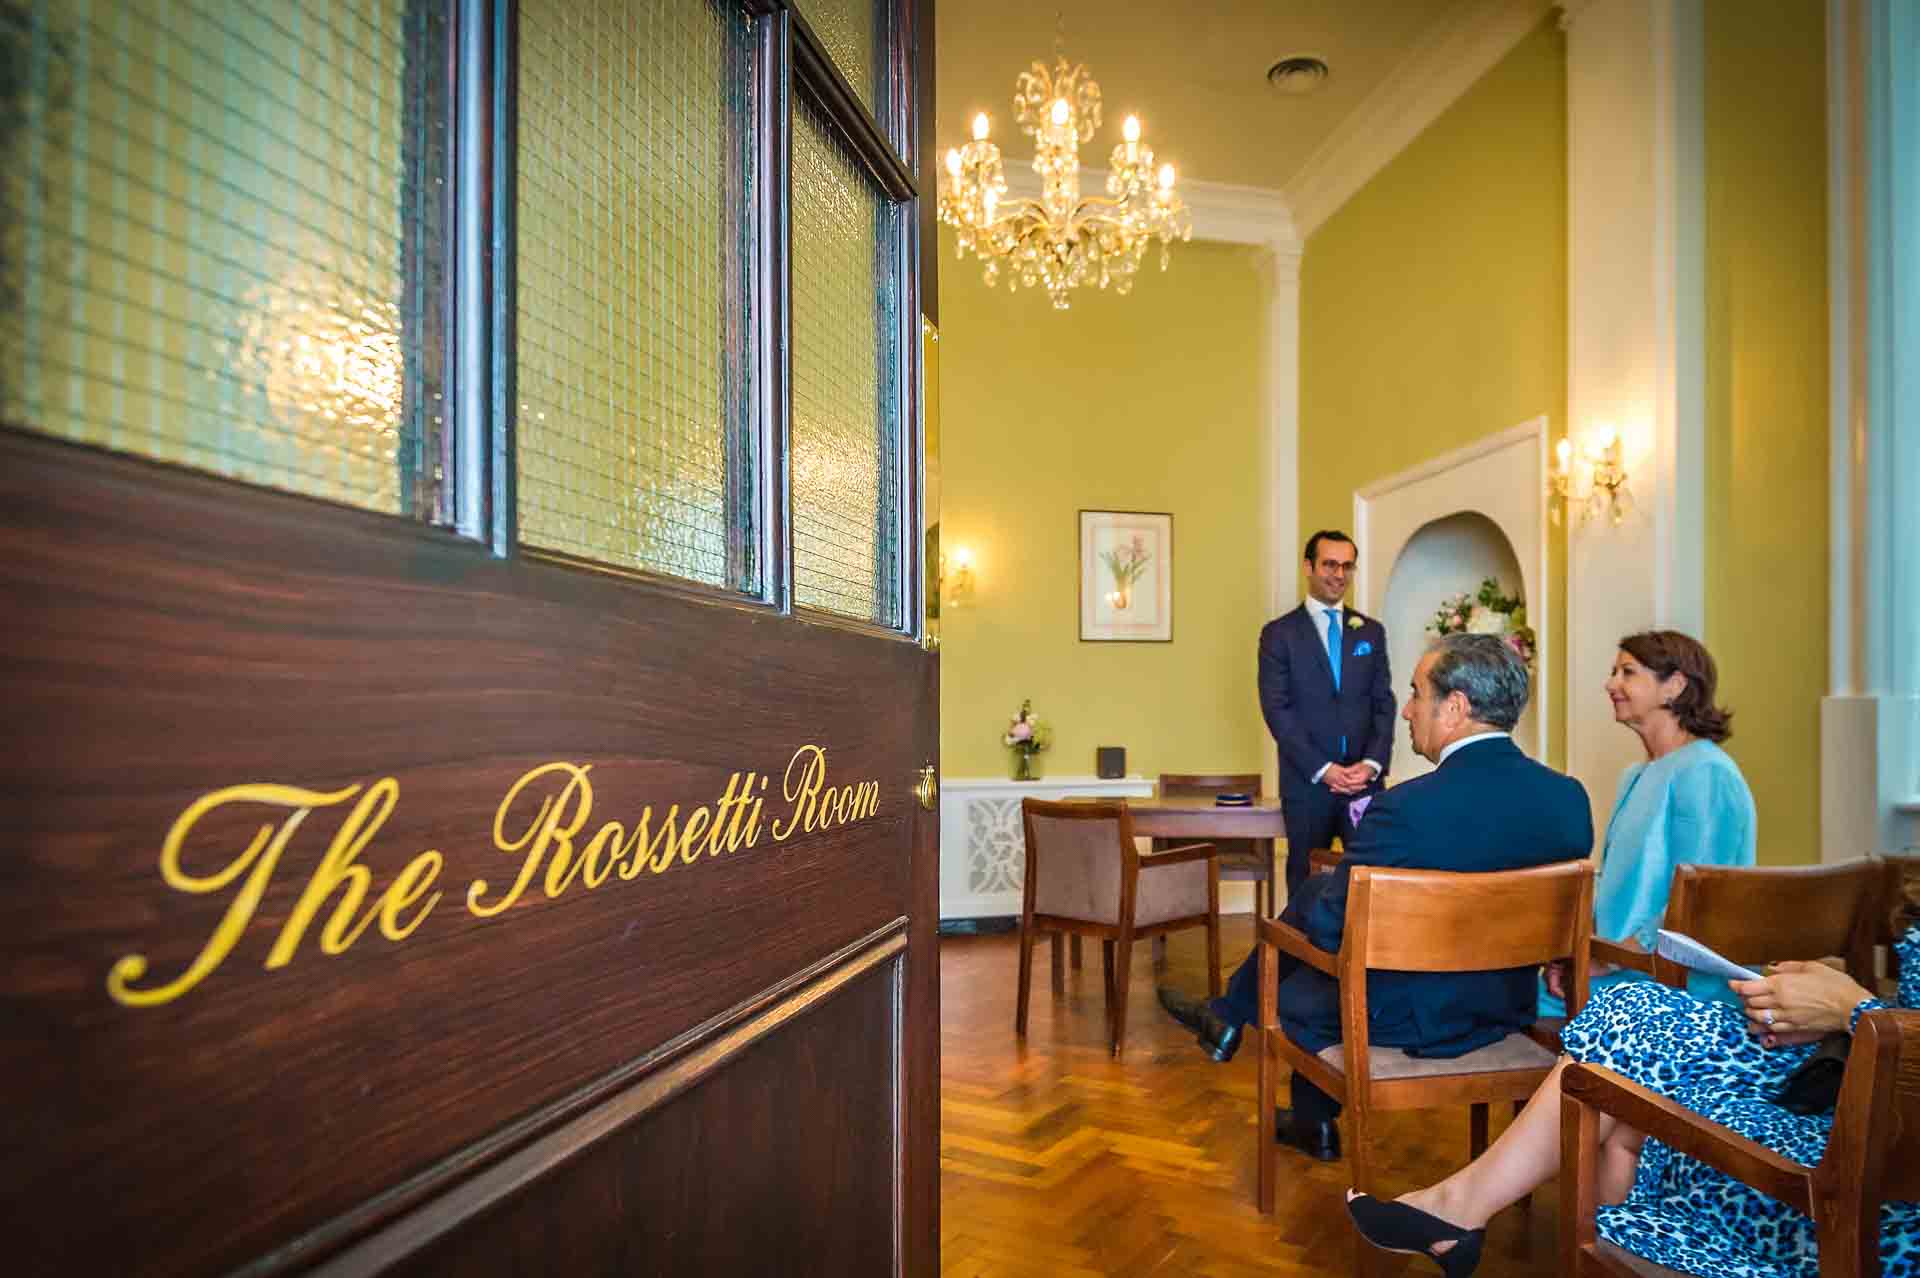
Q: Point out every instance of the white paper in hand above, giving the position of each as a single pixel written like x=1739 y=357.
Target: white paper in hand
x=1684 y=950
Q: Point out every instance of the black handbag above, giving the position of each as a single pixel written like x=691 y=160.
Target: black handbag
x=1814 y=1088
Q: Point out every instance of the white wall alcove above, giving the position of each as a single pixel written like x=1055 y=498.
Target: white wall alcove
x=1444 y=527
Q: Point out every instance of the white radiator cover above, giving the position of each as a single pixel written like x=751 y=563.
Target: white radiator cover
x=982 y=846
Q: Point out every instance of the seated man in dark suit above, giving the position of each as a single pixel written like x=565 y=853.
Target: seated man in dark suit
x=1486 y=807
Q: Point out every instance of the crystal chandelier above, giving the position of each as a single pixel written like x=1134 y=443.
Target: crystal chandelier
x=1062 y=240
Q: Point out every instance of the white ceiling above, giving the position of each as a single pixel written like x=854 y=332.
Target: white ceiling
x=1195 y=73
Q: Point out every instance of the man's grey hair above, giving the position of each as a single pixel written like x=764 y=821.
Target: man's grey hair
x=1487 y=672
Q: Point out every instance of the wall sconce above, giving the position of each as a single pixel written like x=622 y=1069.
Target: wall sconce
x=1594 y=484
x=956 y=576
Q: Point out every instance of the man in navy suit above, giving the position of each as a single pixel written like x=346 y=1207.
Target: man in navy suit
x=1486 y=807
x=1328 y=698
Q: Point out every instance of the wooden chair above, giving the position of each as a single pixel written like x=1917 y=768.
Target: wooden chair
x=1902 y=893
x=1873 y=1156
x=1241 y=860
x=1423 y=921
x=1086 y=877
x=1757 y=914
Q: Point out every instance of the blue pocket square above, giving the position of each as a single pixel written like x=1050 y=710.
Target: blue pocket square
x=1362 y=648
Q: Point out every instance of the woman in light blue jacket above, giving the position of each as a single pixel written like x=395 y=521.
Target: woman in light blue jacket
x=1687 y=804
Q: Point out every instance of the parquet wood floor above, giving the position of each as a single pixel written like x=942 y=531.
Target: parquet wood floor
x=1057 y=1160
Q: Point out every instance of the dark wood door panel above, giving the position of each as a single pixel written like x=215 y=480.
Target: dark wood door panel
x=167 y=636
x=730 y=1177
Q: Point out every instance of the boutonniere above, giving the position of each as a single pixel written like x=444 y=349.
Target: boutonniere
x=1355 y=621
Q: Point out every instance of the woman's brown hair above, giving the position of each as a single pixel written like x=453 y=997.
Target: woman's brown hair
x=1667 y=653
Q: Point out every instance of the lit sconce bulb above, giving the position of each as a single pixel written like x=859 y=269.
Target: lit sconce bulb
x=1131 y=129
x=962 y=557
x=953 y=161
x=1564 y=451
x=1603 y=438
x=1166 y=177
x=980 y=127
x=1060 y=110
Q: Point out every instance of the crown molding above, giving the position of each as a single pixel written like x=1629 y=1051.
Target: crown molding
x=1221 y=211
x=1450 y=57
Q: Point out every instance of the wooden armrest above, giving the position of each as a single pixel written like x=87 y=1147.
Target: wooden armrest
x=1621 y=954
x=1174 y=856
x=1679 y=1128
x=1292 y=940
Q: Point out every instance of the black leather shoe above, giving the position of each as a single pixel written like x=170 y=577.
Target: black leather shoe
x=1217 y=1038
x=1315 y=1140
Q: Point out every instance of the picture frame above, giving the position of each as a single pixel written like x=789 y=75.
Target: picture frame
x=1126 y=576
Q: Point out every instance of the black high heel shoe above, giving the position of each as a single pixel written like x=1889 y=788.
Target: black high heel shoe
x=1396 y=1227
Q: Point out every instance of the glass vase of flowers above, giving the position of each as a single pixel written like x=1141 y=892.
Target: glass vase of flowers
x=1487 y=612
x=1026 y=737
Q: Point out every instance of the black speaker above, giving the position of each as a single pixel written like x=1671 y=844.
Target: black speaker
x=1110 y=762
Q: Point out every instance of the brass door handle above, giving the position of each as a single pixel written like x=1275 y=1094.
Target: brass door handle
x=928 y=790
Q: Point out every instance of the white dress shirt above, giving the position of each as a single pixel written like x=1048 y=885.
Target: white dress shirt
x=1467 y=741
x=1319 y=612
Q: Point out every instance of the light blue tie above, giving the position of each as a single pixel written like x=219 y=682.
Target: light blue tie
x=1333 y=644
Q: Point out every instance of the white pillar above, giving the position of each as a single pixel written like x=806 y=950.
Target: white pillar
x=1870 y=720
x=1635 y=343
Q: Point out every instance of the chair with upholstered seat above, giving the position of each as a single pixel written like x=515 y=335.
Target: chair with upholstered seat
x=1086 y=877
x=1422 y=921
x=1873 y=1156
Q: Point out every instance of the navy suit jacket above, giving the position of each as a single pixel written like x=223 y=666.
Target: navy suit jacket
x=1307 y=717
x=1488 y=807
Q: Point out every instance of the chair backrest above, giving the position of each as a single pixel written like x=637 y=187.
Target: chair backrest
x=1902 y=870
x=1081 y=862
x=1200 y=785
x=1760 y=914
x=1436 y=921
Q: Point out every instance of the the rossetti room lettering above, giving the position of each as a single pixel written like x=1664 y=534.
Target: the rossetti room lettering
x=544 y=828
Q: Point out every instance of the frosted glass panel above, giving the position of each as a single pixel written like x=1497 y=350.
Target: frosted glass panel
x=635 y=445
x=220 y=222
x=845 y=431
x=848 y=29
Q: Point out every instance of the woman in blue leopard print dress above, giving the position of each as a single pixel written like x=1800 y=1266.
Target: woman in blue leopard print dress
x=1720 y=1061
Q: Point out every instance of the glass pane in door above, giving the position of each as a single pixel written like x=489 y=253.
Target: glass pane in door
x=845 y=449
x=219 y=236
x=635 y=325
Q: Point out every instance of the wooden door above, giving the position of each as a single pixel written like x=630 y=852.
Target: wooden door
x=403 y=889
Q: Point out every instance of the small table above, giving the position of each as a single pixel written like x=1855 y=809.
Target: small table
x=1202 y=819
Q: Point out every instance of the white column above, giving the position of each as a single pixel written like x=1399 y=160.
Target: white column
x=1870 y=720
x=1635 y=343
x=1283 y=451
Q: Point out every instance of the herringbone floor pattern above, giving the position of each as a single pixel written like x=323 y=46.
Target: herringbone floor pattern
x=1057 y=1160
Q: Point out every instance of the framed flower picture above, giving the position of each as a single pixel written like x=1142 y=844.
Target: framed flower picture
x=1126 y=576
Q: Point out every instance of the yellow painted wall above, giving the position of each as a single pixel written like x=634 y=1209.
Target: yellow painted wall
x=1433 y=308
x=1151 y=402
x=1767 y=400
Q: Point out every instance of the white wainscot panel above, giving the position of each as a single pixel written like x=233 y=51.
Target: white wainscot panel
x=983 y=852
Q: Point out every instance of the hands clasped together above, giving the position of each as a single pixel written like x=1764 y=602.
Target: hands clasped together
x=1798 y=1002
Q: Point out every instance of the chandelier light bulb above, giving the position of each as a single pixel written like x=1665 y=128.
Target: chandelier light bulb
x=953 y=161
x=1060 y=110
x=1166 y=177
x=980 y=127
x=1130 y=130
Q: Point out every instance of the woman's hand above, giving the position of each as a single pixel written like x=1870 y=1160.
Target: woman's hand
x=1797 y=1002
x=1558 y=973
